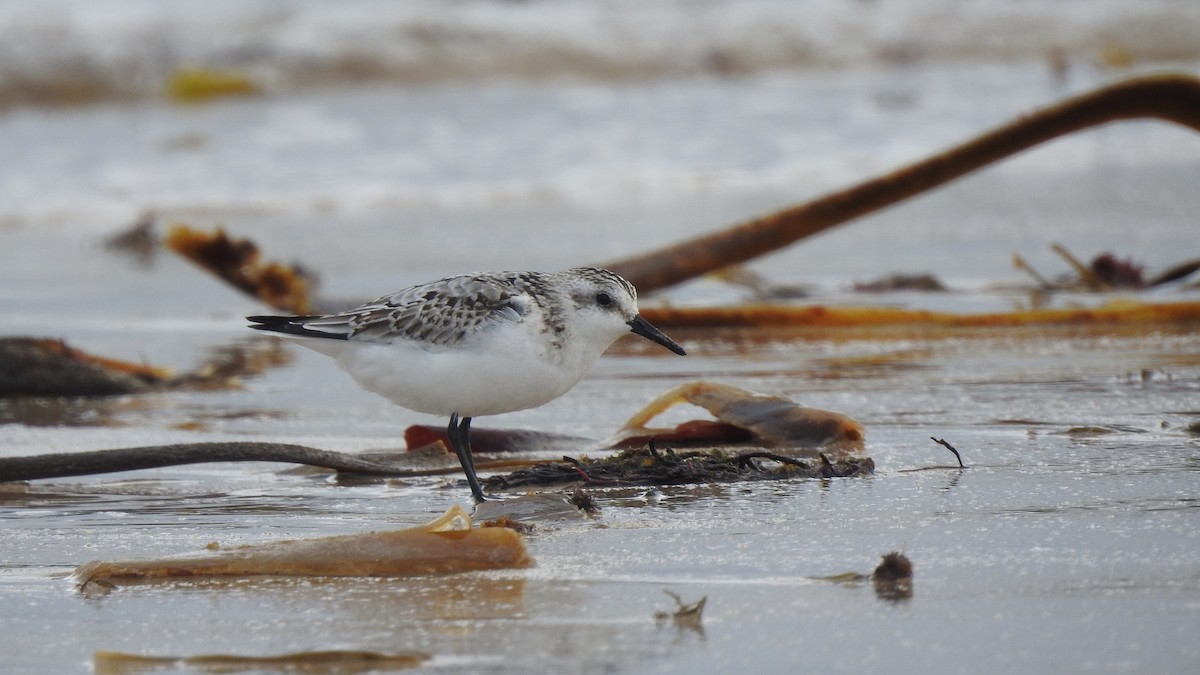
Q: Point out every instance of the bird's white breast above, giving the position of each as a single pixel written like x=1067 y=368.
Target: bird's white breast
x=511 y=368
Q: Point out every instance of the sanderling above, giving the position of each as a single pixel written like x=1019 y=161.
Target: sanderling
x=477 y=344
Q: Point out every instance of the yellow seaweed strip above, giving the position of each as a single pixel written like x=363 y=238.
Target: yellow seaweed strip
x=771 y=315
x=194 y=85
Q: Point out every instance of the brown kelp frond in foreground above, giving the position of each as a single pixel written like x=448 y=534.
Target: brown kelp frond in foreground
x=446 y=545
x=238 y=262
x=1170 y=97
x=332 y=661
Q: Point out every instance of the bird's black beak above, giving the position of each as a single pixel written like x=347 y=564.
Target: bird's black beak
x=640 y=326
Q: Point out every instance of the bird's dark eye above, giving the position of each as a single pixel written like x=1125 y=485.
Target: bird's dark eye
x=603 y=299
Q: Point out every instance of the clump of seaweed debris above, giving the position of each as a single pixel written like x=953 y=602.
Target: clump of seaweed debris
x=893 y=577
x=686 y=615
x=239 y=262
x=1106 y=272
x=31 y=366
x=650 y=466
x=45 y=367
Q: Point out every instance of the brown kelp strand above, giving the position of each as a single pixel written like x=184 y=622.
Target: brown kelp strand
x=643 y=466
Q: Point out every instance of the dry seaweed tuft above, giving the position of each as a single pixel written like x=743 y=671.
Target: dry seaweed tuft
x=584 y=501
x=892 y=567
x=893 y=577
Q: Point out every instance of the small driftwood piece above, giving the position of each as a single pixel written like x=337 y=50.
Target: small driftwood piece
x=945 y=444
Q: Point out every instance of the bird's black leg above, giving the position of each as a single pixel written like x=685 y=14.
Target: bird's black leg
x=460 y=439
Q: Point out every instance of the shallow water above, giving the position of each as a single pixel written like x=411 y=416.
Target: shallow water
x=1070 y=543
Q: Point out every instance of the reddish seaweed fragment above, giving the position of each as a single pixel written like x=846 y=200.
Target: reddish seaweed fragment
x=759 y=420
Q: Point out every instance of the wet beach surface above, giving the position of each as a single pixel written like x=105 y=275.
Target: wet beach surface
x=1071 y=542
x=1071 y=535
